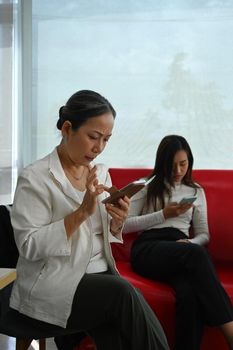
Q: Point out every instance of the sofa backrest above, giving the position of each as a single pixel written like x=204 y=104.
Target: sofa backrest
x=218 y=186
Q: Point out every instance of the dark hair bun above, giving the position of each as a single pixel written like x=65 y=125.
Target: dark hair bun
x=60 y=120
x=81 y=106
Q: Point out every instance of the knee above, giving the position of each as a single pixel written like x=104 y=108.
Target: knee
x=198 y=253
x=123 y=287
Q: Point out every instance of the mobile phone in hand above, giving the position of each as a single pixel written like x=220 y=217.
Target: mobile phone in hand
x=129 y=190
x=188 y=200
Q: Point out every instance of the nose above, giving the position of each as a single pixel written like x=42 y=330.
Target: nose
x=98 y=147
x=177 y=170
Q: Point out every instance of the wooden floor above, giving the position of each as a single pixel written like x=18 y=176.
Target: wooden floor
x=8 y=343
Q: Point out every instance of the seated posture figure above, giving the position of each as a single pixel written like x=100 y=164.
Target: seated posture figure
x=66 y=275
x=164 y=250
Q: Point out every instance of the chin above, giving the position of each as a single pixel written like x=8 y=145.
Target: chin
x=88 y=161
x=177 y=179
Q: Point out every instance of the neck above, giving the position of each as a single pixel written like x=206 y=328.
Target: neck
x=74 y=170
x=77 y=175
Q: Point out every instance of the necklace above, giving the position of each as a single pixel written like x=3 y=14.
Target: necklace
x=76 y=177
x=64 y=161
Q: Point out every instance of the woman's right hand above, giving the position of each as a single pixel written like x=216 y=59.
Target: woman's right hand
x=93 y=189
x=88 y=206
x=174 y=209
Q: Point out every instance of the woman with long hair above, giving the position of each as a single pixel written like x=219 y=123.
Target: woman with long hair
x=165 y=251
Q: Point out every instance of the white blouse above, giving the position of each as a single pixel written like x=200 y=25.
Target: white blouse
x=98 y=262
x=142 y=217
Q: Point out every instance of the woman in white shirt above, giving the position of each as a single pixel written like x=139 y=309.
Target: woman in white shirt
x=165 y=251
x=66 y=274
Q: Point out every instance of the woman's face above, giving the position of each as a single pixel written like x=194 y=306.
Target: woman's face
x=180 y=166
x=85 y=144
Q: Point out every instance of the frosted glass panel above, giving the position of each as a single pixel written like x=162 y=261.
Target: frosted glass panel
x=6 y=27
x=166 y=66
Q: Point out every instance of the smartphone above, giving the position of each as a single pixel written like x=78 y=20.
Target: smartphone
x=129 y=190
x=188 y=200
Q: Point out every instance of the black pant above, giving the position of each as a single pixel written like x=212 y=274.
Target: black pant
x=69 y=341
x=200 y=298
x=115 y=315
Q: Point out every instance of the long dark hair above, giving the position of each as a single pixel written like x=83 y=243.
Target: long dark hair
x=81 y=106
x=163 y=168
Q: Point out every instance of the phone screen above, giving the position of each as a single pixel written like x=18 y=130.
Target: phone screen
x=187 y=200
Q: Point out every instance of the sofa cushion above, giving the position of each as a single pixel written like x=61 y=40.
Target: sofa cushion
x=218 y=186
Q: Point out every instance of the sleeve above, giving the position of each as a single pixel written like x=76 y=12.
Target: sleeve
x=137 y=221
x=143 y=222
x=117 y=238
x=36 y=236
x=200 y=221
x=105 y=179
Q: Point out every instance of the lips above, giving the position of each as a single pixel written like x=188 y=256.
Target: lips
x=90 y=159
x=177 y=177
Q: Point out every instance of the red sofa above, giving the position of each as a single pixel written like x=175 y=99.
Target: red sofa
x=218 y=185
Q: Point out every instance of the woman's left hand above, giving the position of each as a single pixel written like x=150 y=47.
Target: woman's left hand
x=118 y=213
x=184 y=240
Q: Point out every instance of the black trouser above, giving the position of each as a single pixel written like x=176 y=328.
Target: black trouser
x=115 y=315
x=69 y=341
x=200 y=298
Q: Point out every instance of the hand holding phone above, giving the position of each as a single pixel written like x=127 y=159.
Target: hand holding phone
x=187 y=200
x=129 y=190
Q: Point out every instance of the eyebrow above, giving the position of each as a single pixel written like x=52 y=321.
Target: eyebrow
x=100 y=133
